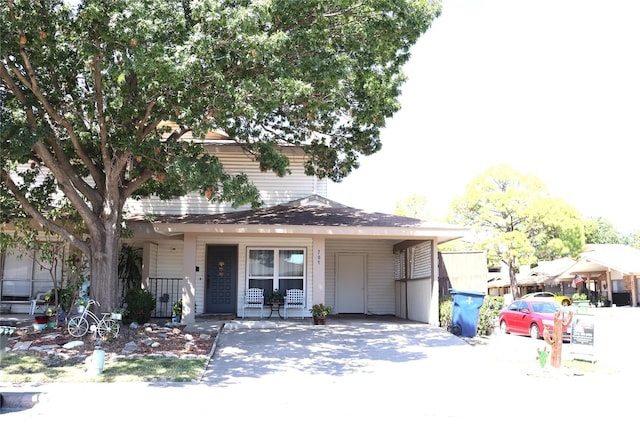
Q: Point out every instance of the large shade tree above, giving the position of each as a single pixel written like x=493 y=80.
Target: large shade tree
x=86 y=88
x=516 y=221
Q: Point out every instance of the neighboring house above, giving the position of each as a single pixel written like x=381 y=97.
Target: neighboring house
x=210 y=254
x=608 y=272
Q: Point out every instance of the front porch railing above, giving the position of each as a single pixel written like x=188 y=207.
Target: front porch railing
x=166 y=292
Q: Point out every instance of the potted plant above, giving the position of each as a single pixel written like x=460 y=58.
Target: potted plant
x=581 y=302
x=118 y=313
x=82 y=304
x=276 y=297
x=320 y=313
x=41 y=322
x=604 y=301
x=53 y=318
x=176 y=311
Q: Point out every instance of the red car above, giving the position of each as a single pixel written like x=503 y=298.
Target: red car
x=530 y=317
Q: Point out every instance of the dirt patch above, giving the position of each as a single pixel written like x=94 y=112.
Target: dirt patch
x=148 y=339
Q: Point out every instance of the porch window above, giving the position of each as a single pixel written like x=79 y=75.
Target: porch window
x=25 y=274
x=413 y=263
x=280 y=269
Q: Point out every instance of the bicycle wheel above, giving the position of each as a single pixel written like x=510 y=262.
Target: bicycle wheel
x=77 y=326
x=108 y=327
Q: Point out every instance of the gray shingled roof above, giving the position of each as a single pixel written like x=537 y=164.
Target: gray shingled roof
x=297 y=215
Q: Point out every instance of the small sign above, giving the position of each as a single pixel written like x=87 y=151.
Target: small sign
x=582 y=334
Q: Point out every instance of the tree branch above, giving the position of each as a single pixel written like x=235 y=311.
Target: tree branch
x=41 y=219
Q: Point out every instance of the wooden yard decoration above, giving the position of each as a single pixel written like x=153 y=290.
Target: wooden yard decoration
x=555 y=339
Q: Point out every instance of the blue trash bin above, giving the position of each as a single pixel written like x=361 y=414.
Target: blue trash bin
x=466 y=312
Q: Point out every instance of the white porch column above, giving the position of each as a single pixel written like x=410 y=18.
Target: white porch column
x=317 y=271
x=189 y=279
x=434 y=302
x=149 y=252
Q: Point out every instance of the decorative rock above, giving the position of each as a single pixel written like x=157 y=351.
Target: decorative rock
x=155 y=345
x=188 y=337
x=51 y=336
x=130 y=347
x=134 y=325
x=50 y=346
x=163 y=335
x=22 y=346
x=73 y=344
x=205 y=336
x=148 y=329
x=147 y=341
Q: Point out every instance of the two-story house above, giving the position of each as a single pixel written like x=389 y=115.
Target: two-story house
x=208 y=255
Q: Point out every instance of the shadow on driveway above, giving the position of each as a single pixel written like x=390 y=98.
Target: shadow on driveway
x=342 y=347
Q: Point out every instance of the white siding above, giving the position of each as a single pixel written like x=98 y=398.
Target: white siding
x=273 y=189
x=380 y=291
x=422 y=266
x=169 y=259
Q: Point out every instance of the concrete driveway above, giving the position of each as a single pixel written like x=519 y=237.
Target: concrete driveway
x=345 y=346
x=373 y=371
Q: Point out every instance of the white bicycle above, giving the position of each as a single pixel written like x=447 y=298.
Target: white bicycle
x=105 y=326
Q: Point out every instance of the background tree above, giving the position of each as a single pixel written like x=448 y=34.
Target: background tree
x=414 y=206
x=633 y=240
x=515 y=221
x=85 y=93
x=601 y=230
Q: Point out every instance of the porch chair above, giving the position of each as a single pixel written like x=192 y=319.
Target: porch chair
x=38 y=301
x=294 y=299
x=253 y=298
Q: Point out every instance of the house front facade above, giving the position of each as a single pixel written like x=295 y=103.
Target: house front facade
x=208 y=255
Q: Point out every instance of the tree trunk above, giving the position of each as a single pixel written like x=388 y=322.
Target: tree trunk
x=515 y=290
x=105 y=249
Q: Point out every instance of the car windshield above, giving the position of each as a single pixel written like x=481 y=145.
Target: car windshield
x=545 y=307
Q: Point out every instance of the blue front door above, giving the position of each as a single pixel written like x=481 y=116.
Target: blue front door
x=221 y=282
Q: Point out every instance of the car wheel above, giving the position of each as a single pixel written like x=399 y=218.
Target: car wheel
x=503 y=328
x=534 y=331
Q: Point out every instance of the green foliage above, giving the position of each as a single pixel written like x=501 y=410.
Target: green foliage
x=601 y=231
x=95 y=100
x=275 y=296
x=489 y=313
x=414 y=206
x=579 y=296
x=516 y=221
x=320 y=310
x=446 y=311
x=176 y=309
x=130 y=266
x=140 y=304
x=65 y=298
x=25 y=367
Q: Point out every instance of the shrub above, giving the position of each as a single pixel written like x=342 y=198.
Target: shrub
x=140 y=304
x=489 y=313
x=446 y=309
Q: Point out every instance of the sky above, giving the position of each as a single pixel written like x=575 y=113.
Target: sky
x=548 y=87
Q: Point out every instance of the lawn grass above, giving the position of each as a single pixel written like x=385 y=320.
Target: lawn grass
x=26 y=368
